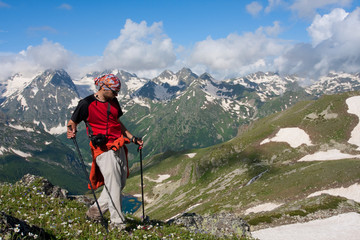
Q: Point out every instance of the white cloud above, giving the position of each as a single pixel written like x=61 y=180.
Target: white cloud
x=146 y=50
x=308 y=8
x=48 y=55
x=140 y=47
x=272 y=30
x=323 y=26
x=254 y=8
x=35 y=58
x=339 y=49
x=273 y=4
x=237 y=53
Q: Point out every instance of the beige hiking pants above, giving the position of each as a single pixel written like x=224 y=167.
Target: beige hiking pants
x=114 y=169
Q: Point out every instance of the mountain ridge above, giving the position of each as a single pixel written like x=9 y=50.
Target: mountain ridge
x=197 y=113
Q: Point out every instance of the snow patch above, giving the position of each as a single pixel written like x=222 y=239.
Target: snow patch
x=191 y=155
x=56 y=130
x=354 y=108
x=141 y=102
x=20 y=153
x=262 y=208
x=160 y=179
x=2 y=150
x=352 y=192
x=333 y=154
x=343 y=226
x=21 y=128
x=22 y=100
x=172 y=80
x=17 y=83
x=74 y=102
x=293 y=136
x=134 y=83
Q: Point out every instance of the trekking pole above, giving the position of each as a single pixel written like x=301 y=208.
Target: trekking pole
x=142 y=184
x=104 y=223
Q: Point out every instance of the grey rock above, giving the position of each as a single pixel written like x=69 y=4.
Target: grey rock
x=220 y=225
x=15 y=228
x=47 y=187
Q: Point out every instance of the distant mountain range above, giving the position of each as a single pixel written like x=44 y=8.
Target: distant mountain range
x=173 y=111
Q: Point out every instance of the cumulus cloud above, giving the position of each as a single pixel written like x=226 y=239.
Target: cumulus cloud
x=35 y=58
x=254 y=8
x=238 y=53
x=272 y=30
x=139 y=47
x=323 y=27
x=146 y=50
x=337 y=47
x=307 y=8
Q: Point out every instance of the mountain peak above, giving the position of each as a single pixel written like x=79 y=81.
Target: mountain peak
x=167 y=77
x=186 y=76
x=55 y=77
x=166 y=74
x=185 y=71
x=206 y=76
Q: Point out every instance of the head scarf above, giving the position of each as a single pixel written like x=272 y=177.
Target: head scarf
x=108 y=82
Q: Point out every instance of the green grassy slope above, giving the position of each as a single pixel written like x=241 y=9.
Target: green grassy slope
x=215 y=178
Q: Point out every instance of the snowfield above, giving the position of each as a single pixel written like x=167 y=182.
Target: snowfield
x=344 y=226
x=295 y=137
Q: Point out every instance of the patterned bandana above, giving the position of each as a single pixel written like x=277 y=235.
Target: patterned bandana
x=108 y=82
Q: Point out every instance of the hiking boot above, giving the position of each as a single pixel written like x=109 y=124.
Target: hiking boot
x=118 y=226
x=93 y=214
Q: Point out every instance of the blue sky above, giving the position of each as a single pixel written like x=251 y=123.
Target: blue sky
x=226 y=38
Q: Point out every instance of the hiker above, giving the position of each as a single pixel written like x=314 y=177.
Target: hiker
x=101 y=113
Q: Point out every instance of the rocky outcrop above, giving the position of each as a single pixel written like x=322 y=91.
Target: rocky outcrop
x=47 y=187
x=220 y=225
x=14 y=228
x=19 y=229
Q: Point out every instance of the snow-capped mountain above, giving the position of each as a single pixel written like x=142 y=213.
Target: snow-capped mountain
x=180 y=107
x=27 y=148
x=129 y=82
x=14 y=84
x=335 y=83
x=174 y=111
x=44 y=100
x=48 y=98
x=236 y=96
x=167 y=85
